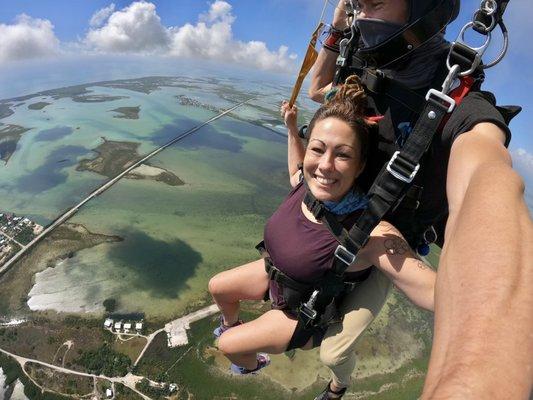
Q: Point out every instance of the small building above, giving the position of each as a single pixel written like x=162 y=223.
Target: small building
x=172 y=387
x=108 y=323
x=127 y=327
x=37 y=229
x=118 y=325
x=109 y=393
x=138 y=326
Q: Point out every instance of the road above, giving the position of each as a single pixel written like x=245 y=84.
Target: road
x=179 y=327
x=12 y=239
x=128 y=380
x=69 y=213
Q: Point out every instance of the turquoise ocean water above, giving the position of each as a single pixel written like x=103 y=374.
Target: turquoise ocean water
x=175 y=237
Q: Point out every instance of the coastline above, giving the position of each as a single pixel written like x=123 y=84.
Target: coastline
x=65 y=241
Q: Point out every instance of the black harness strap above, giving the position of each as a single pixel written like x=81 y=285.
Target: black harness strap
x=389 y=187
x=380 y=84
x=278 y=276
x=396 y=176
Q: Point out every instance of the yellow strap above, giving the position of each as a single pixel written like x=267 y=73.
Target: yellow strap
x=309 y=60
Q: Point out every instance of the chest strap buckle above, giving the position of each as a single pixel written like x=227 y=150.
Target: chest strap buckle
x=343 y=254
x=404 y=170
x=307 y=311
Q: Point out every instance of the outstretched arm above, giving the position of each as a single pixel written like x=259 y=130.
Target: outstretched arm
x=389 y=251
x=296 y=149
x=324 y=68
x=483 y=344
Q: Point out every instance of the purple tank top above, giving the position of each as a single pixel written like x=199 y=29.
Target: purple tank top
x=298 y=247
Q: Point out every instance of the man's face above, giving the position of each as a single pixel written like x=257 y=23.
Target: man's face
x=395 y=11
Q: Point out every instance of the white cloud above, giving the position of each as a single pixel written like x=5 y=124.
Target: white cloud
x=137 y=28
x=212 y=38
x=218 y=11
x=27 y=38
x=523 y=160
x=100 y=16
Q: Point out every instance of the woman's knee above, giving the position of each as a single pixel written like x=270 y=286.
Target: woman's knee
x=214 y=285
x=218 y=285
x=226 y=344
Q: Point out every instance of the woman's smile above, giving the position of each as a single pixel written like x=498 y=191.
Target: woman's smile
x=325 y=181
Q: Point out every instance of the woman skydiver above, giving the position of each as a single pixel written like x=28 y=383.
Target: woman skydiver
x=302 y=248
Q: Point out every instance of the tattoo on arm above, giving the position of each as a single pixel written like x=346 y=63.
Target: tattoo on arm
x=396 y=246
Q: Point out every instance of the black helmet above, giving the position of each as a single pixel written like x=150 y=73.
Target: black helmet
x=427 y=18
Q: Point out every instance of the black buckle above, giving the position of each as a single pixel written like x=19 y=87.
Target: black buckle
x=307 y=313
x=272 y=271
x=401 y=168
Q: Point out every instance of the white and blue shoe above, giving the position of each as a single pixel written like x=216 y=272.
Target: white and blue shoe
x=263 y=360
x=223 y=328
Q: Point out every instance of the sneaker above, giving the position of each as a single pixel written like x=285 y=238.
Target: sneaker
x=223 y=328
x=263 y=360
x=329 y=394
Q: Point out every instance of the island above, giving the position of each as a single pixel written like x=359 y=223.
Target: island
x=96 y=98
x=127 y=112
x=38 y=106
x=9 y=137
x=5 y=110
x=113 y=157
x=188 y=101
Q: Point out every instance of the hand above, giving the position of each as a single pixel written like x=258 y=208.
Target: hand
x=289 y=116
x=340 y=20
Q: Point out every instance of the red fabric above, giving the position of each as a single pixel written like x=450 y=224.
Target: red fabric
x=460 y=92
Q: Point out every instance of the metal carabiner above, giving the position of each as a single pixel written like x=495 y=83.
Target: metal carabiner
x=479 y=50
x=453 y=72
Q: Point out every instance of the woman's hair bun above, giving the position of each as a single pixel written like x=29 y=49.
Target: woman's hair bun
x=352 y=92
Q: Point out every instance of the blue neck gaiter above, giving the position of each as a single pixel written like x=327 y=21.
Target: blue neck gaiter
x=354 y=200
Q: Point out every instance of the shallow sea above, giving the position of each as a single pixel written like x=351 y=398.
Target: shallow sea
x=175 y=237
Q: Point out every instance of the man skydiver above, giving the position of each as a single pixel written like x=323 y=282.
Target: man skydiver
x=482 y=347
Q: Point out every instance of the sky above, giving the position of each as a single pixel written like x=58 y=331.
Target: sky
x=266 y=35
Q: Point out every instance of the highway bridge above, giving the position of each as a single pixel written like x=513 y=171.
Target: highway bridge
x=69 y=213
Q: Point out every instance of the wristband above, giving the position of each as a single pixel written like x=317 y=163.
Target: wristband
x=333 y=39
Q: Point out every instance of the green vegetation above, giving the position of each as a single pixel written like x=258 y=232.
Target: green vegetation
x=59 y=382
x=13 y=371
x=110 y=305
x=125 y=393
x=127 y=112
x=26 y=235
x=9 y=137
x=131 y=347
x=105 y=361
x=39 y=105
x=200 y=371
x=155 y=393
x=5 y=110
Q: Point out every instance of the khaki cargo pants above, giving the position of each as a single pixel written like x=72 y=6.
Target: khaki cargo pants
x=360 y=307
